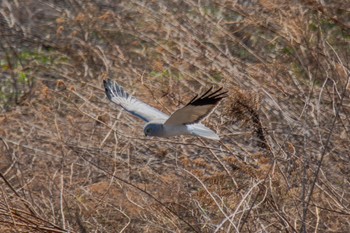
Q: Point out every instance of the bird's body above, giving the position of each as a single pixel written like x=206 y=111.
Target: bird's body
x=184 y=121
x=158 y=129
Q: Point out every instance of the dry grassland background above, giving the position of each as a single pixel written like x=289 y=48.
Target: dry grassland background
x=71 y=161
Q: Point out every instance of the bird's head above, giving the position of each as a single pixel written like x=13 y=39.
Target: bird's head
x=153 y=129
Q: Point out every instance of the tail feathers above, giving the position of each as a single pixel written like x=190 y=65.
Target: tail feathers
x=202 y=131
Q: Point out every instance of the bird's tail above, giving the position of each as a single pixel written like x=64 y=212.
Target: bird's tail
x=202 y=131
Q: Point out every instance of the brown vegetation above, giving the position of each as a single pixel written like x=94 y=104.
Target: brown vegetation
x=72 y=161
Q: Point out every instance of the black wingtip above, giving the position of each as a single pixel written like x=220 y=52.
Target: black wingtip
x=107 y=85
x=112 y=89
x=209 y=97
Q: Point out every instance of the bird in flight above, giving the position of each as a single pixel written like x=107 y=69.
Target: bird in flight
x=184 y=121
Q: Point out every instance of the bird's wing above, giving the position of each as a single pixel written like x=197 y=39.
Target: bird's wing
x=116 y=94
x=197 y=109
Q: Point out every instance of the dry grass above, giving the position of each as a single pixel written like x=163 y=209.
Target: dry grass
x=72 y=161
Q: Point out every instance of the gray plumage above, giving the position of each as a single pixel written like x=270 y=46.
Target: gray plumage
x=184 y=121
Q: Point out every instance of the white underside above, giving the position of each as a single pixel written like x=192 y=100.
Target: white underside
x=195 y=129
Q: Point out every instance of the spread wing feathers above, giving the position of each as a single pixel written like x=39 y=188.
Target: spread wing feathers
x=117 y=95
x=198 y=108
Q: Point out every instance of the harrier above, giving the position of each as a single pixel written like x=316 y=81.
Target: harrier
x=184 y=121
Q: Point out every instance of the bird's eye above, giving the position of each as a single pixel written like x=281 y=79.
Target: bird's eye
x=148 y=130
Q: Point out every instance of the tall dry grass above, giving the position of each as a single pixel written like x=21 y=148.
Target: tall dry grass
x=73 y=162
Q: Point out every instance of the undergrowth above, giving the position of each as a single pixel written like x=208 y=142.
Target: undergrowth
x=73 y=162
